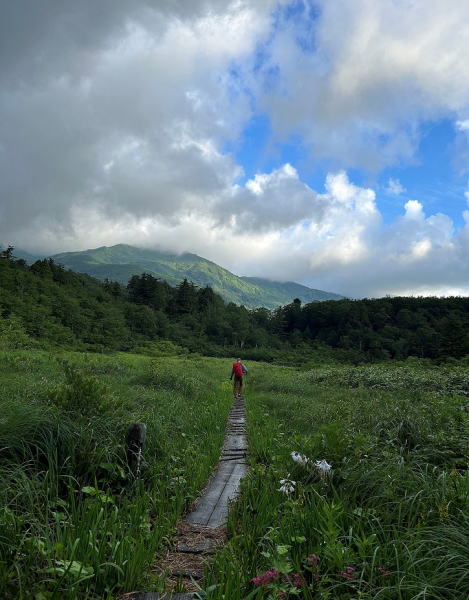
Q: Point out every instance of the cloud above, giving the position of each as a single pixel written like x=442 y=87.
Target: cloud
x=394 y=187
x=466 y=194
x=121 y=107
x=272 y=201
x=336 y=240
x=462 y=125
x=116 y=117
x=364 y=75
x=348 y=248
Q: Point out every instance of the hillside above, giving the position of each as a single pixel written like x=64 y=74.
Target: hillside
x=292 y=290
x=55 y=305
x=120 y=262
x=22 y=254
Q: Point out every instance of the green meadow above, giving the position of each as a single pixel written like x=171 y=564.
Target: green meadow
x=74 y=523
x=388 y=521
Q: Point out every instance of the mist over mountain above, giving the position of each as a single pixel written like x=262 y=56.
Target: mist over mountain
x=120 y=262
x=23 y=254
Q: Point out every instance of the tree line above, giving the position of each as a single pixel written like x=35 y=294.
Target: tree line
x=60 y=307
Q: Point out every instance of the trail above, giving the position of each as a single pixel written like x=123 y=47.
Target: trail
x=203 y=530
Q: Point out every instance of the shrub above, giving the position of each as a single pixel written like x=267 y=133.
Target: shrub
x=80 y=394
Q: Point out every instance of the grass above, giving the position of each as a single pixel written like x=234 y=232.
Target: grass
x=74 y=523
x=389 y=522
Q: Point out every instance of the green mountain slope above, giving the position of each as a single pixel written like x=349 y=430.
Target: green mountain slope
x=27 y=256
x=292 y=290
x=120 y=262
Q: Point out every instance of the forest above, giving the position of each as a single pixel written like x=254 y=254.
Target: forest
x=45 y=304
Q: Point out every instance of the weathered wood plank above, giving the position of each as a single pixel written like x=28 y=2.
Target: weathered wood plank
x=212 y=509
x=201 y=515
x=235 y=441
x=230 y=491
x=204 y=545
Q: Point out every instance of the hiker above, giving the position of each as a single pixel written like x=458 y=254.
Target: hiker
x=238 y=370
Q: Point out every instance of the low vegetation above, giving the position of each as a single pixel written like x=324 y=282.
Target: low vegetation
x=389 y=519
x=74 y=522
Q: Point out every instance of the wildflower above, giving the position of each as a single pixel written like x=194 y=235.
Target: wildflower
x=287 y=486
x=299 y=458
x=323 y=466
x=295 y=579
x=312 y=560
x=265 y=578
x=348 y=573
x=384 y=572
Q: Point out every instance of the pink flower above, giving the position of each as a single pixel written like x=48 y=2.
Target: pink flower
x=348 y=573
x=384 y=572
x=312 y=560
x=295 y=579
x=265 y=578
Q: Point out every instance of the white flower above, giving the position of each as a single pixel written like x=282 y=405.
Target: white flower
x=323 y=466
x=299 y=458
x=287 y=486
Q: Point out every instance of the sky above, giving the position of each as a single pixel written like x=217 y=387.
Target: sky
x=324 y=142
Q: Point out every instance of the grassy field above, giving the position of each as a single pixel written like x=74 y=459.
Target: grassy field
x=388 y=521
x=74 y=523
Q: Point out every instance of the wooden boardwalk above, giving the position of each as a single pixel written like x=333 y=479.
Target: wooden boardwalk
x=212 y=508
x=203 y=529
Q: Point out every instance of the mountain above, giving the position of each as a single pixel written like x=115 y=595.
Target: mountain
x=292 y=290
x=27 y=256
x=120 y=262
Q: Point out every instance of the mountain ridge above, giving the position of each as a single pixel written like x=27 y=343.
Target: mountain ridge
x=121 y=261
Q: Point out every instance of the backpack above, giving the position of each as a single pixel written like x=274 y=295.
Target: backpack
x=238 y=369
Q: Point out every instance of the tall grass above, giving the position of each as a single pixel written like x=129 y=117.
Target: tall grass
x=74 y=522
x=389 y=522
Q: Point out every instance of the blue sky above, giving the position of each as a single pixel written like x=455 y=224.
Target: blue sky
x=320 y=141
x=432 y=177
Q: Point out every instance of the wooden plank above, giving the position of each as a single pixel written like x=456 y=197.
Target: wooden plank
x=187 y=575
x=230 y=491
x=203 y=546
x=201 y=515
x=212 y=509
x=235 y=442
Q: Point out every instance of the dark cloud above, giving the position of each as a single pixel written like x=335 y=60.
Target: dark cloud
x=115 y=105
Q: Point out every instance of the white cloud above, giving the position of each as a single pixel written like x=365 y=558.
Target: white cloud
x=271 y=201
x=414 y=210
x=366 y=74
x=335 y=241
x=420 y=248
x=462 y=125
x=395 y=187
